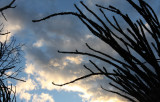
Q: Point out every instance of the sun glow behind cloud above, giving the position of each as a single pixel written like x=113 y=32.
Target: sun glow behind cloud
x=12 y=28
x=87 y=89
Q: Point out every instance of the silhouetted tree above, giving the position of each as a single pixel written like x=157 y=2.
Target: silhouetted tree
x=10 y=54
x=137 y=76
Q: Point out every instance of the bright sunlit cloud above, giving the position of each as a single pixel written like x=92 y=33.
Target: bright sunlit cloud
x=88 y=89
x=43 y=97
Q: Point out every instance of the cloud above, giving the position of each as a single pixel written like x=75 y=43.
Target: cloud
x=88 y=89
x=43 y=97
x=76 y=60
x=39 y=43
x=23 y=88
x=12 y=28
x=29 y=69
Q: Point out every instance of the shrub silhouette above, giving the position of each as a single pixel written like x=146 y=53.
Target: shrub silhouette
x=137 y=76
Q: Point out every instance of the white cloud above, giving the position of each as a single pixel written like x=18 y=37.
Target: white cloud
x=26 y=86
x=43 y=97
x=12 y=28
x=29 y=68
x=76 y=60
x=89 y=89
x=23 y=88
x=39 y=43
x=25 y=95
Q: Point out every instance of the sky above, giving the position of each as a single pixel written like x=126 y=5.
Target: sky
x=41 y=61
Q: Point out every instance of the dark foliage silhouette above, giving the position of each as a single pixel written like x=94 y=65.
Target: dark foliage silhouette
x=10 y=54
x=137 y=76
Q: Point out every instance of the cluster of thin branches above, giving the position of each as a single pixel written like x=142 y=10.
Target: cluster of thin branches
x=10 y=55
x=137 y=76
x=7 y=93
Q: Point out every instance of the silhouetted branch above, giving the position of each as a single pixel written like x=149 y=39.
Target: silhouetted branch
x=138 y=73
x=77 y=79
x=83 y=77
x=119 y=94
x=7 y=7
x=14 y=78
x=88 y=69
